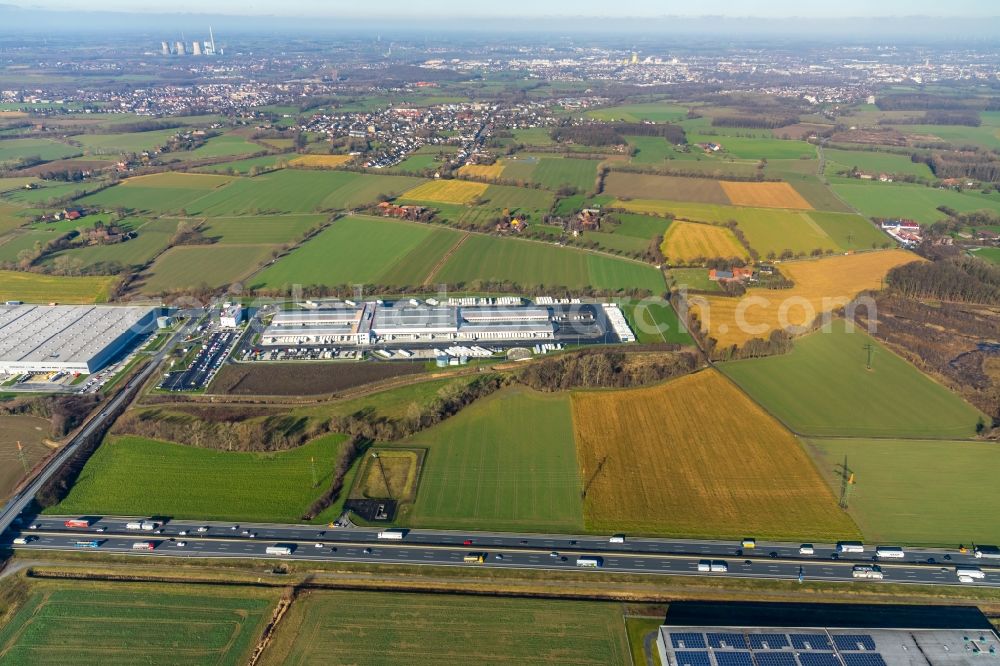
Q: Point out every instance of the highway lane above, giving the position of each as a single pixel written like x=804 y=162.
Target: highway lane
x=510 y=558
x=519 y=551
x=17 y=504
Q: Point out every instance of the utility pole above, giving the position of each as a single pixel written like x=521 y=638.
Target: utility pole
x=312 y=465
x=846 y=481
x=385 y=478
x=20 y=456
x=871 y=350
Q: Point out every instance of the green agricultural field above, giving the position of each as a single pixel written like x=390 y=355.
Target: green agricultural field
x=756 y=148
x=655 y=323
x=49 y=192
x=152 y=239
x=518 y=199
x=507 y=462
x=692 y=278
x=534 y=264
x=822 y=388
x=657 y=112
x=535 y=136
x=13 y=150
x=984 y=136
x=849 y=232
x=26 y=239
x=416 y=164
x=915 y=491
x=914 y=202
x=991 y=254
x=817 y=193
x=651 y=149
x=131 y=142
x=873 y=162
x=362 y=249
x=138 y=476
x=131 y=623
x=644 y=186
x=553 y=173
x=273 y=229
x=300 y=191
x=220 y=146
x=646 y=227
x=768 y=232
x=17 y=183
x=192 y=266
x=615 y=242
x=160 y=193
x=423 y=629
x=244 y=167
x=39 y=288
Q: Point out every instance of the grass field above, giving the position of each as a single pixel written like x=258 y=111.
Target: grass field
x=991 y=254
x=553 y=173
x=872 y=162
x=688 y=242
x=917 y=492
x=692 y=278
x=821 y=285
x=38 y=288
x=504 y=463
x=644 y=186
x=447 y=191
x=695 y=457
x=764 y=195
x=260 y=230
x=487 y=171
x=658 y=112
x=321 y=161
x=243 y=167
x=651 y=150
x=12 y=150
x=534 y=136
x=192 y=266
x=655 y=323
x=423 y=629
x=132 y=623
x=914 y=202
x=823 y=388
x=362 y=249
x=153 y=237
x=227 y=145
x=518 y=199
x=532 y=264
x=30 y=431
x=137 y=476
x=750 y=148
x=130 y=142
x=158 y=193
x=848 y=231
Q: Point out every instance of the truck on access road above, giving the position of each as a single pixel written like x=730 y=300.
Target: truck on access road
x=394 y=534
x=987 y=552
x=79 y=523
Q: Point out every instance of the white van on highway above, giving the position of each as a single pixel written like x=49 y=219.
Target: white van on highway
x=807 y=549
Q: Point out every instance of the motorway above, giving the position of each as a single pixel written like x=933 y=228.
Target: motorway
x=516 y=551
x=17 y=504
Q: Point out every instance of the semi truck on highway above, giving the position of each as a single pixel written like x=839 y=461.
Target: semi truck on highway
x=987 y=552
x=279 y=549
x=869 y=571
x=850 y=547
x=474 y=558
x=143 y=545
x=78 y=523
x=970 y=572
x=618 y=538
x=22 y=541
x=394 y=534
x=143 y=525
x=713 y=566
x=889 y=552
x=590 y=562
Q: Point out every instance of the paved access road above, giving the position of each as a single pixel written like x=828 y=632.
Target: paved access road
x=516 y=551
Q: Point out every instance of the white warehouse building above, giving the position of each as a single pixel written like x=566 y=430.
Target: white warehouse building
x=68 y=338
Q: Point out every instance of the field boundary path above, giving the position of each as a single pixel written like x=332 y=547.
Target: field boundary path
x=428 y=281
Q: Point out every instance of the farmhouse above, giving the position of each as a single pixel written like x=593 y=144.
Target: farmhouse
x=735 y=275
x=68 y=338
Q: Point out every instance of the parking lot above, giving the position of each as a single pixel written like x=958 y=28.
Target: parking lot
x=204 y=365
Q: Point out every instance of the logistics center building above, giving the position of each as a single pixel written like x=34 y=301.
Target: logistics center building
x=68 y=338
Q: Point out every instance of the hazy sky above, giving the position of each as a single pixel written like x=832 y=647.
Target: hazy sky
x=475 y=8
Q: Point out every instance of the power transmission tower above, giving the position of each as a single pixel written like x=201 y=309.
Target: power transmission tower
x=20 y=456
x=870 y=348
x=846 y=481
x=385 y=478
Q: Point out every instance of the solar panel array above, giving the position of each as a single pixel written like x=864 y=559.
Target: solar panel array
x=774 y=649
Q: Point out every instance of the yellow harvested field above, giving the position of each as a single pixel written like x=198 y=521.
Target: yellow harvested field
x=323 y=161
x=488 y=171
x=821 y=286
x=687 y=242
x=447 y=191
x=41 y=288
x=764 y=195
x=695 y=457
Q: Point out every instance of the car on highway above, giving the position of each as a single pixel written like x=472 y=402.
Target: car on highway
x=235 y=527
x=34 y=526
x=553 y=554
x=182 y=533
x=467 y=542
x=773 y=555
x=203 y=529
x=99 y=529
x=181 y=544
x=368 y=551
x=245 y=532
x=498 y=556
x=318 y=545
x=807 y=549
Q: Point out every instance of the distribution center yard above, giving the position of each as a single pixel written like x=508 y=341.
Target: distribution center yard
x=133 y=623
x=505 y=463
x=917 y=492
x=688 y=242
x=821 y=286
x=822 y=388
x=416 y=629
x=38 y=288
x=695 y=457
x=531 y=264
x=137 y=476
